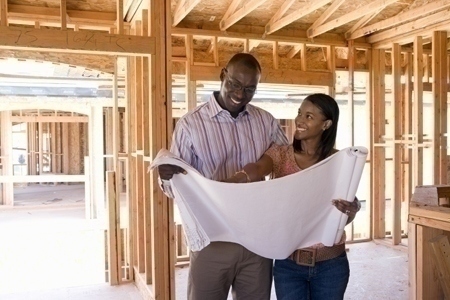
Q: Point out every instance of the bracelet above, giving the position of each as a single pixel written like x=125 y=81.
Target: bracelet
x=243 y=172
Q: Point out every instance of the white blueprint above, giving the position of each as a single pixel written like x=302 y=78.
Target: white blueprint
x=271 y=218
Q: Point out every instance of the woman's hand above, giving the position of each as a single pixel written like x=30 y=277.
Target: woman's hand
x=348 y=208
x=238 y=177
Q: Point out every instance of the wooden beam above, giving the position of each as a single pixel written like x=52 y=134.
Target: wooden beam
x=113 y=228
x=275 y=56
x=247 y=8
x=231 y=9
x=50 y=119
x=63 y=14
x=119 y=18
x=50 y=16
x=361 y=22
x=4 y=12
x=294 y=39
x=400 y=18
x=362 y=11
x=410 y=26
x=295 y=49
x=417 y=163
x=325 y=15
x=182 y=9
x=280 y=12
x=397 y=135
x=270 y=76
x=379 y=153
x=42 y=178
x=74 y=42
x=271 y=27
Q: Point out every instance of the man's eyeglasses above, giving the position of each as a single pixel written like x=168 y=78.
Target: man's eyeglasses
x=236 y=86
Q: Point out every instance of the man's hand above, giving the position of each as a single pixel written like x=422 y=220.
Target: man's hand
x=166 y=172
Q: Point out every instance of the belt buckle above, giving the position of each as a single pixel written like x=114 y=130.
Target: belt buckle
x=310 y=257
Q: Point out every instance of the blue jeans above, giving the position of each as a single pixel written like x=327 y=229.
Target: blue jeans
x=327 y=280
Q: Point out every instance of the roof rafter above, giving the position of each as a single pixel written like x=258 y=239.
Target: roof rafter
x=408 y=37
x=400 y=18
x=294 y=16
x=247 y=8
x=410 y=27
x=280 y=12
x=362 y=11
x=330 y=10
x=231 y=9
x=363 y=21
x=183 y=8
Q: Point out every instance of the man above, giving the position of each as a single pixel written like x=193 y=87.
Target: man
x=218 y=138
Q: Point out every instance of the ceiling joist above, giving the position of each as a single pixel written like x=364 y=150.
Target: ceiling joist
x=247 y=8
x=183 y=8
x=356 y=14
x=271 y=27
x=400 y=18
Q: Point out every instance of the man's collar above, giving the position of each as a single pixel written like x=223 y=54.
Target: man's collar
x=216 y=109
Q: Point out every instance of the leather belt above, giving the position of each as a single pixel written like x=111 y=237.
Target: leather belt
x=309 y=256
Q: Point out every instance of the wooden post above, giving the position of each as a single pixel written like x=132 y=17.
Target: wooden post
x=397 y=136
x=113 y=228
x=379 y=154
x=418 y=113
x=163 y=239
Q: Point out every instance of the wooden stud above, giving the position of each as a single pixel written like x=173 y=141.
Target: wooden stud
x=412 y=261
x=331 y=65
x=379 y=156
x=4 y=12
x=63 y=14
x=397 y=134
x=162 y=239
x=418 y=113
x=303 y=57
x=119 y=19
x=275 y=55
x=113 y=228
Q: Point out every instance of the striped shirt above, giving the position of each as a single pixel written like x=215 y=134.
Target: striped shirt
x=217 y=145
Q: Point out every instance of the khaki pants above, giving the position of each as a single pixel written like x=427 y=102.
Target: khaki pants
x=220 y=265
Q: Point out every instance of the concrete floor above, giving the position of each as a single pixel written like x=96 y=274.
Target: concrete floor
x=46 y=235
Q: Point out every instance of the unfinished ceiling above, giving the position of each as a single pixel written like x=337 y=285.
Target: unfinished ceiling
x=264 y=25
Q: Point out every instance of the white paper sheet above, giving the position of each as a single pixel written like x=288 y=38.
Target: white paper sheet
x=271 y=218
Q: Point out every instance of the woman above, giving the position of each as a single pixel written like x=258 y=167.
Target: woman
x=316 y=272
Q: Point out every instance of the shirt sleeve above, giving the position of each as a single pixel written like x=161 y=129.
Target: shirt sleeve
x=182 y=143
x=278 y=135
